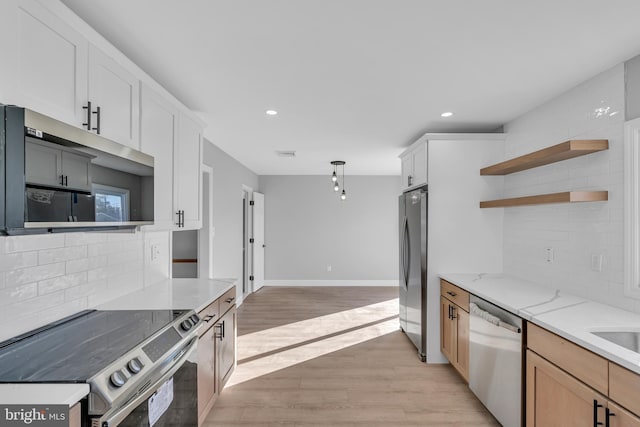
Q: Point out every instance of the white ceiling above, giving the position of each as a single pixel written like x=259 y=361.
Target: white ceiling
x=359 y=80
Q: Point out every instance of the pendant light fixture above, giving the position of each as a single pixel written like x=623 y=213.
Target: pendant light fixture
x=334 y=178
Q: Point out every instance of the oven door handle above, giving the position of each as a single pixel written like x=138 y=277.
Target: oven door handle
x=117 y=415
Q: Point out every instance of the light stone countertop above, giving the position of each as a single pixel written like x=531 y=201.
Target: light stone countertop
x=169 y=294
x=176 y=294
x=42 y=394
x=567 y=315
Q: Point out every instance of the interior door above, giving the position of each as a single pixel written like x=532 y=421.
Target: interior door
x=258 y=241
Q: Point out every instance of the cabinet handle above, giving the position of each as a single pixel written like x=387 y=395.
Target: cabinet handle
x=409 y=179
x=449 y=311
x=208 y=318
x=61 y=179
x=97 y=113
x=453 y=294
x=223 y=329
x=180 y=222
x=608 y=414
x=88 y=108
x=596 y=405
x=453 y=313
x=229 y=300
x=66 y=180
x=220 y=336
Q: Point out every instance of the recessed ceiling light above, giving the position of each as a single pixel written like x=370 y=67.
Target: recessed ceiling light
x=271 y=112
x=447 y=114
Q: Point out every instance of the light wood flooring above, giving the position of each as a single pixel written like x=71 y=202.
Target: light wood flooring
x=312 y=356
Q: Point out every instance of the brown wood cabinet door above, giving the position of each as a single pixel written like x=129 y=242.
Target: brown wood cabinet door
x=462 y=342
x=622 y=418
x=556 y=399
x=446 y=330
x=207 y=386
x=226 y=346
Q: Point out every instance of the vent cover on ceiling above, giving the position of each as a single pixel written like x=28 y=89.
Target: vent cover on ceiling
x=289 y=154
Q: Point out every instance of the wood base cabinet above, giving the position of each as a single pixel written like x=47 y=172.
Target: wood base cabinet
x=454 y=327
x=568 y=385
x=216 y=351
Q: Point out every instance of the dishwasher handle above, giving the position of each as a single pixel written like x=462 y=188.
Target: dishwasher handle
x=494 y=320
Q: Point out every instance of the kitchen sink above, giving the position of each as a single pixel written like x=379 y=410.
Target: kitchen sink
x=627 y=339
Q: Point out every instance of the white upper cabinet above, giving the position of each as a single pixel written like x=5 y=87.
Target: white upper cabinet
x=50 y=70
x=414 y=166
x=187 y=188
x=158 y=131
x=58 y=72
x=116 y=93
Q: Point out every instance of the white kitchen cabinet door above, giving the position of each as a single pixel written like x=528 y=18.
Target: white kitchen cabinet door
x=158 y=131
x=187 y=188
x=407 y=170
x=51 y=67
x=419 y=156
x=117 y=93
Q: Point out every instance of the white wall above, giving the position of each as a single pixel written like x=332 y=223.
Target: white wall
x=46 y=277
x=308 y=227
x=575 y=231
x=228 y=178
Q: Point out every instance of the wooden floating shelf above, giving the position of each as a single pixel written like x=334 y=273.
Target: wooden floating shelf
x=555 y=153
x=565 y=197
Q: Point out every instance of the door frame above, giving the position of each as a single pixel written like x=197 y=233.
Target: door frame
x=207 y=232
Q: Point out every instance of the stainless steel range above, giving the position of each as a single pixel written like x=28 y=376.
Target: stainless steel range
x=127 y=357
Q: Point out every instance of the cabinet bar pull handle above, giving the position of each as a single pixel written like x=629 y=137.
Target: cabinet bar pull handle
x=223 y=328
x=229 y=300
x=220 y=335
x=208 y=318
x=453 y=313
x=66 y=180
x=609 y=414
x=61 y=179
x=97 y=113
x=453 y=294
x=596 y=405
x=88 y=108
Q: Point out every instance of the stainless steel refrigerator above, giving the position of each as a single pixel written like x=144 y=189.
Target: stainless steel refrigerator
x=413 y=267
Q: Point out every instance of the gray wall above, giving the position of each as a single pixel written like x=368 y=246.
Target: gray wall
x=228 y=178
x=308 y=227
x=632 y=88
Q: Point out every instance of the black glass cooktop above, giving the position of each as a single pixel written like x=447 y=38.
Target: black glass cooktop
x=76 y=349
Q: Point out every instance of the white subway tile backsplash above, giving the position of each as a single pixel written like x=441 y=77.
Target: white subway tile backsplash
x=10 y=262
x=62 y=254
x=17 y=293
x=575 y=231
x=47 y=277
x=33 y=274
x=31 y=243
x=63 y=282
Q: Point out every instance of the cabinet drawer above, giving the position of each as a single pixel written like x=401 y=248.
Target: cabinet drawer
x=579 y=362
x=210 y=316
x=624 y=387
x=455 y=294
x=227 y=300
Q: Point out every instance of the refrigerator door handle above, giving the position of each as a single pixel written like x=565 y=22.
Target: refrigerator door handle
x=406 y=252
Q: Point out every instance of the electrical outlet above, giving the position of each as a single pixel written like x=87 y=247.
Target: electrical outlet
x=155 y=252
x=548 y=255
x=596 y=262
x=329 y=268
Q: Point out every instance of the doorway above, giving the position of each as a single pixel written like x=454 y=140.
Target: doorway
x=246 y=241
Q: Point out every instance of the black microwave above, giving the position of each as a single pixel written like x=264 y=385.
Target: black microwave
x=57 y=177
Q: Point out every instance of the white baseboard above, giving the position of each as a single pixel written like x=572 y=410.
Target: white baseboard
x=331 y=282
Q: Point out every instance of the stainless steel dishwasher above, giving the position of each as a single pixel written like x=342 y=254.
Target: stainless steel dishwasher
x=495 y=360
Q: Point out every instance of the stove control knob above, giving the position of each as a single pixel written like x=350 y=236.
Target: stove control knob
x=134 y=365
x=117 y=378
x=195 y=319
x=186 y=324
